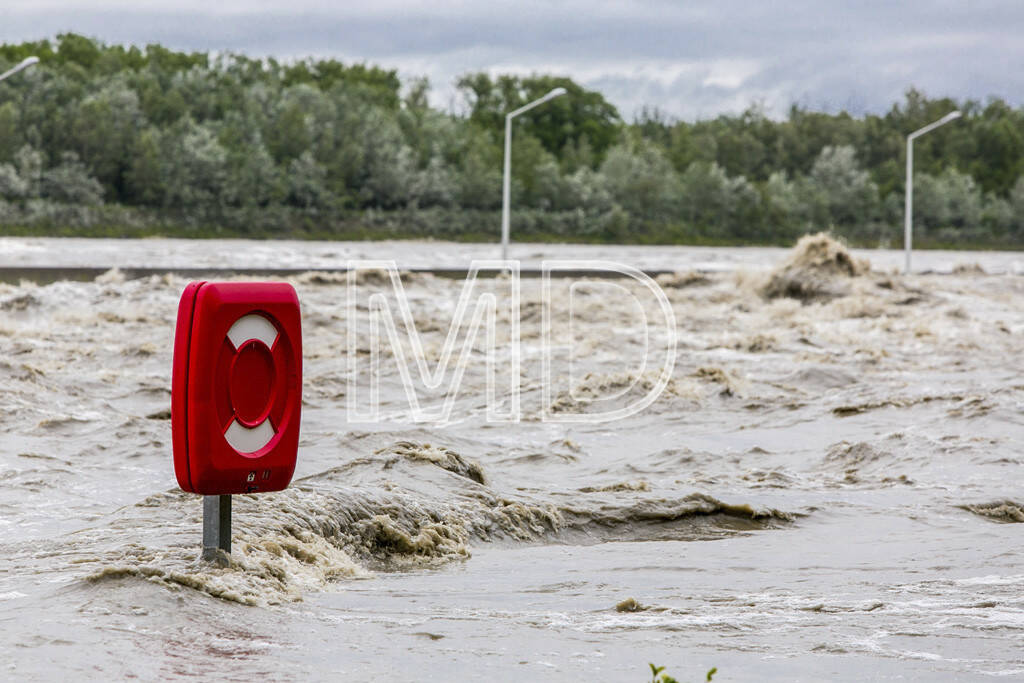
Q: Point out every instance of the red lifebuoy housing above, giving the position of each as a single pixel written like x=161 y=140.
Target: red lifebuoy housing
x=236 y=387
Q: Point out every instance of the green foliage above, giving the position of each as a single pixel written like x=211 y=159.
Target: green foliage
x=665 y=678
x=947 y=204
x=640 y=179
x=12 y=185
x=70 y=182
x=581 y=117
x=839 y=191
x=200 y=144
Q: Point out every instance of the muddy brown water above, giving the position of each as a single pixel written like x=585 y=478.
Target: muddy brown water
x=828 y=488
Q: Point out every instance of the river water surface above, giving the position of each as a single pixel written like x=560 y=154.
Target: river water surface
x=829 y=487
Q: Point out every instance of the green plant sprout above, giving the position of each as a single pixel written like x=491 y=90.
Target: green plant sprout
x=665 y=678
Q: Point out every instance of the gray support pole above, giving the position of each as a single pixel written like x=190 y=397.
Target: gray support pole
x=506 y=182
x=506 y=185
x=908 y=207
x=217 y=528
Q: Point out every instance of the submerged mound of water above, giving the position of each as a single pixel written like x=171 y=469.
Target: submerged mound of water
x=444 y=458
x=819 y=268
x=599 y=391
x=403 y=507
x=999 y=511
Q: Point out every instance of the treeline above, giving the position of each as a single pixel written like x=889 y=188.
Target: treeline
x=112 y=140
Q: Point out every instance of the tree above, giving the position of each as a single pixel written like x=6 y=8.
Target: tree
x=9 y=138
x=307 y=185
x=102 y=129
x=841 y=193
x=998 y=158
x=194 y=167
x=434 y=185
x=144 y=177
x=719 y=205
x=390 y=165
x=641 y=180
x=947 y=206
x=12 y=186
x=70 y=182
x=29 y=163
x=287 y=134
x=579 y=115
x=1016 y=203
x=785 y=212
x=479 y=179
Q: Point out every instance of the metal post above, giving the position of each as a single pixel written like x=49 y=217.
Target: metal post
x=908 y=208
x=217 y=528
x=506 y=188
x=506 y=183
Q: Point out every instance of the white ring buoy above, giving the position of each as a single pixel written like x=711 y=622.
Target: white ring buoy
x=244 y=439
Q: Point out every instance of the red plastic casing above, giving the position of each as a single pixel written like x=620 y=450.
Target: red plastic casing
x=256 y=384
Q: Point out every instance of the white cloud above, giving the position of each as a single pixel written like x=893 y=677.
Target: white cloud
x=730 y=73
x=698 y=58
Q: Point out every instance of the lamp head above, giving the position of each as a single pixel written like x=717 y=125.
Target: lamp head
x=555 y=93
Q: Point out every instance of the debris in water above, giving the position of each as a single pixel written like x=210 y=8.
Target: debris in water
x=969 y=269
x=621 y=487
x=629 y=605
x=431 y=636
x=679 y=280
x=732 y=385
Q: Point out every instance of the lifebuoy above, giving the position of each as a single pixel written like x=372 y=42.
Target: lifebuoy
x=251 y=383
x=236 y=395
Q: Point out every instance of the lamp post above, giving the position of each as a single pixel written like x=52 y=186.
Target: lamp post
x=908 y=209
x=507 y=180
x=23 y=64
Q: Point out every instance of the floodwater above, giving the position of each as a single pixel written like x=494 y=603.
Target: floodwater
x=288 y=254
x=828 y=487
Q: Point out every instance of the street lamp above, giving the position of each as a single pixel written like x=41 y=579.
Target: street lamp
x=908 y=210
x=506 y=182
x=23 y=64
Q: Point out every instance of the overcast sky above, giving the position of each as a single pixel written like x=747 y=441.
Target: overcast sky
x=691 y=59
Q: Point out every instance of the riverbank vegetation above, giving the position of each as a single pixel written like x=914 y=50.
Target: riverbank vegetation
x=114 y=140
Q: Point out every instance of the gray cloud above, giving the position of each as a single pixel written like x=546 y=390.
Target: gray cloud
x=692 y=59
